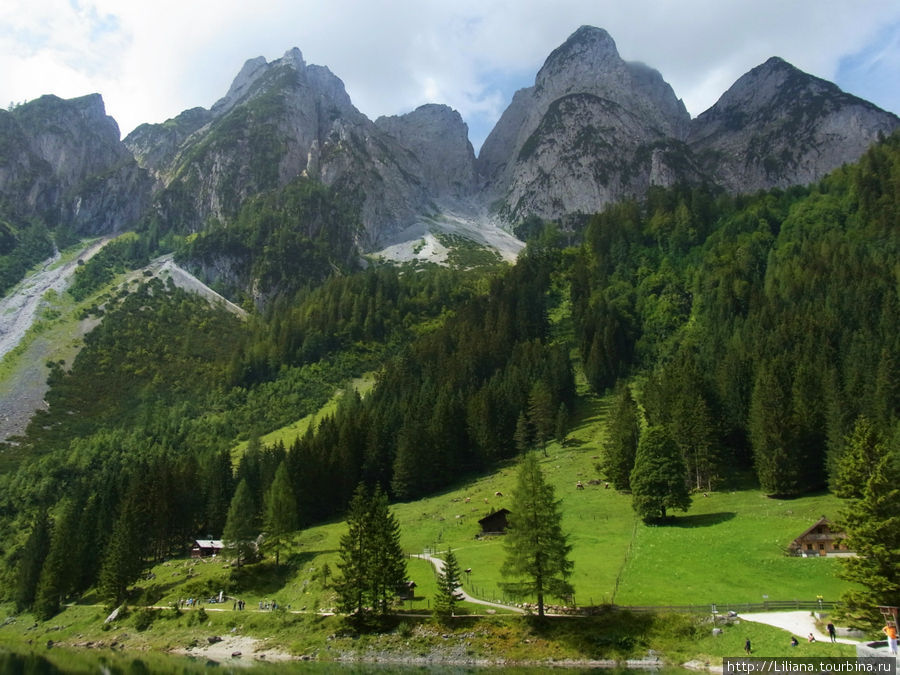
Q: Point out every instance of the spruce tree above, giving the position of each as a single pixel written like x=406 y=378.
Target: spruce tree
x=448 y=583
x=872 y=523
x=862 y=451
x=770 y=427
x=622 y=436
x=240 y=528
x=32 y=560
x=60 y=570
x=281 y=510
x=541 y=414
x=372 y=564
x=123 y=559
x=658 y=478
x=537 y=550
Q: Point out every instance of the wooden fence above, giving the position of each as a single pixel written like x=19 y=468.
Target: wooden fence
x=726 y=607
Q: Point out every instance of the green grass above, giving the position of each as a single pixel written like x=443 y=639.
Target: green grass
x=289 y=433
x=728 y=548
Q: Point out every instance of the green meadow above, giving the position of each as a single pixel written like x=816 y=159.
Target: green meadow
x=728 y=548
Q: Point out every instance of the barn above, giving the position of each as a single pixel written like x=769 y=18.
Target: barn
x=204 y=548
x=494 y=522
x=822 y=539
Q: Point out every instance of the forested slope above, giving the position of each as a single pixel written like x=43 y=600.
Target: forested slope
x=755 y=329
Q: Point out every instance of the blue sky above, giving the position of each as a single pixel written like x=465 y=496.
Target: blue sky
x=150 y=61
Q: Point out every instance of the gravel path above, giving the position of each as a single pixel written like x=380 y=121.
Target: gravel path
x=439 y=567
x=800 y=623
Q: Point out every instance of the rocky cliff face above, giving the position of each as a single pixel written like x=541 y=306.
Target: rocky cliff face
x=284 y=119
x=62 y=161
x=778 y=126
x=592 y=129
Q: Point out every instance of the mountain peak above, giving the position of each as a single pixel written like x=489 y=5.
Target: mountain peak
x=586 y=48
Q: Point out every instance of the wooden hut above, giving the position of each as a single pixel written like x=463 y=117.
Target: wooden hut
x=495 y=522
x=820 y=540
x=204 y=548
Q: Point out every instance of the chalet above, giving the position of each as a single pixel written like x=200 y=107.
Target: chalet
x=204 y=548
x=406 y=590
x=495 y=522
x=820 y=540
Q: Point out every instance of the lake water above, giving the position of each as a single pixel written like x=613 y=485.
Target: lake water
x=65 y=662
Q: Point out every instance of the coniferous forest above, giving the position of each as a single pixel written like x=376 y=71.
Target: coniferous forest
x=756 y=333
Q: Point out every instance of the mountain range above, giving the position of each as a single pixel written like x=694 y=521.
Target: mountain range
x=592 y=130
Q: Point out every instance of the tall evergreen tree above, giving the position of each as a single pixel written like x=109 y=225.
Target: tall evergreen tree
x=872 y=523
x=777 y=468
x=281 y=510
x=658 y=478
x=240 y=525
x=60 y=570
x=448 y=583
x=541 y=414
x=537 y=550
x=123 y=559
x=862 y=451
x=32 y=560
x=372 y=563
x=622 y=436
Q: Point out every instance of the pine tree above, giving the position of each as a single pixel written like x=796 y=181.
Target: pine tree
x=33 y=556
x=658 y=478
x=372 y=564
x=537 y=550
x=872 y=523
x=123 y=559
x=541 y=414
x=862 y=450
x=240 y=528
x=777 y=467
x=60 y=570
x=522 y=436
x=622 y=436
x=448 y=583
x=354 y=565
x=281 y=510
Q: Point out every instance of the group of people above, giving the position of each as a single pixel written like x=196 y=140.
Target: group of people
x=890 y=630
x=238 y=605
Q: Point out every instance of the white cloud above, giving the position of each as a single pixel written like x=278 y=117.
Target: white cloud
x=150 y=61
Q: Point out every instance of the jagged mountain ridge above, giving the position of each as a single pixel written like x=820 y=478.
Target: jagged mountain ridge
x=284 y=119
x=61 y=161
x=593 y=129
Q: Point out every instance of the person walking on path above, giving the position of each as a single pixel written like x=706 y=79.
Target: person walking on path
x=891 y=631
x=831 y=631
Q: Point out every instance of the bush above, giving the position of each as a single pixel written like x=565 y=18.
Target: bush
x=144 y=618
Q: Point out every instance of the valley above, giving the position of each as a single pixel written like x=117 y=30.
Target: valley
x=653 y=351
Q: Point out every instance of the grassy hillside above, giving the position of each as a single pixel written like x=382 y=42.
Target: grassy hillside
x=728 y=548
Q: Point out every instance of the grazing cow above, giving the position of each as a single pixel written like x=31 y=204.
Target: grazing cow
x=579 y=485
x=498 y=494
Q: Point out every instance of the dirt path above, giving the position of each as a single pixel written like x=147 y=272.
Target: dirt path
x=439 y=567
x=801 y=624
